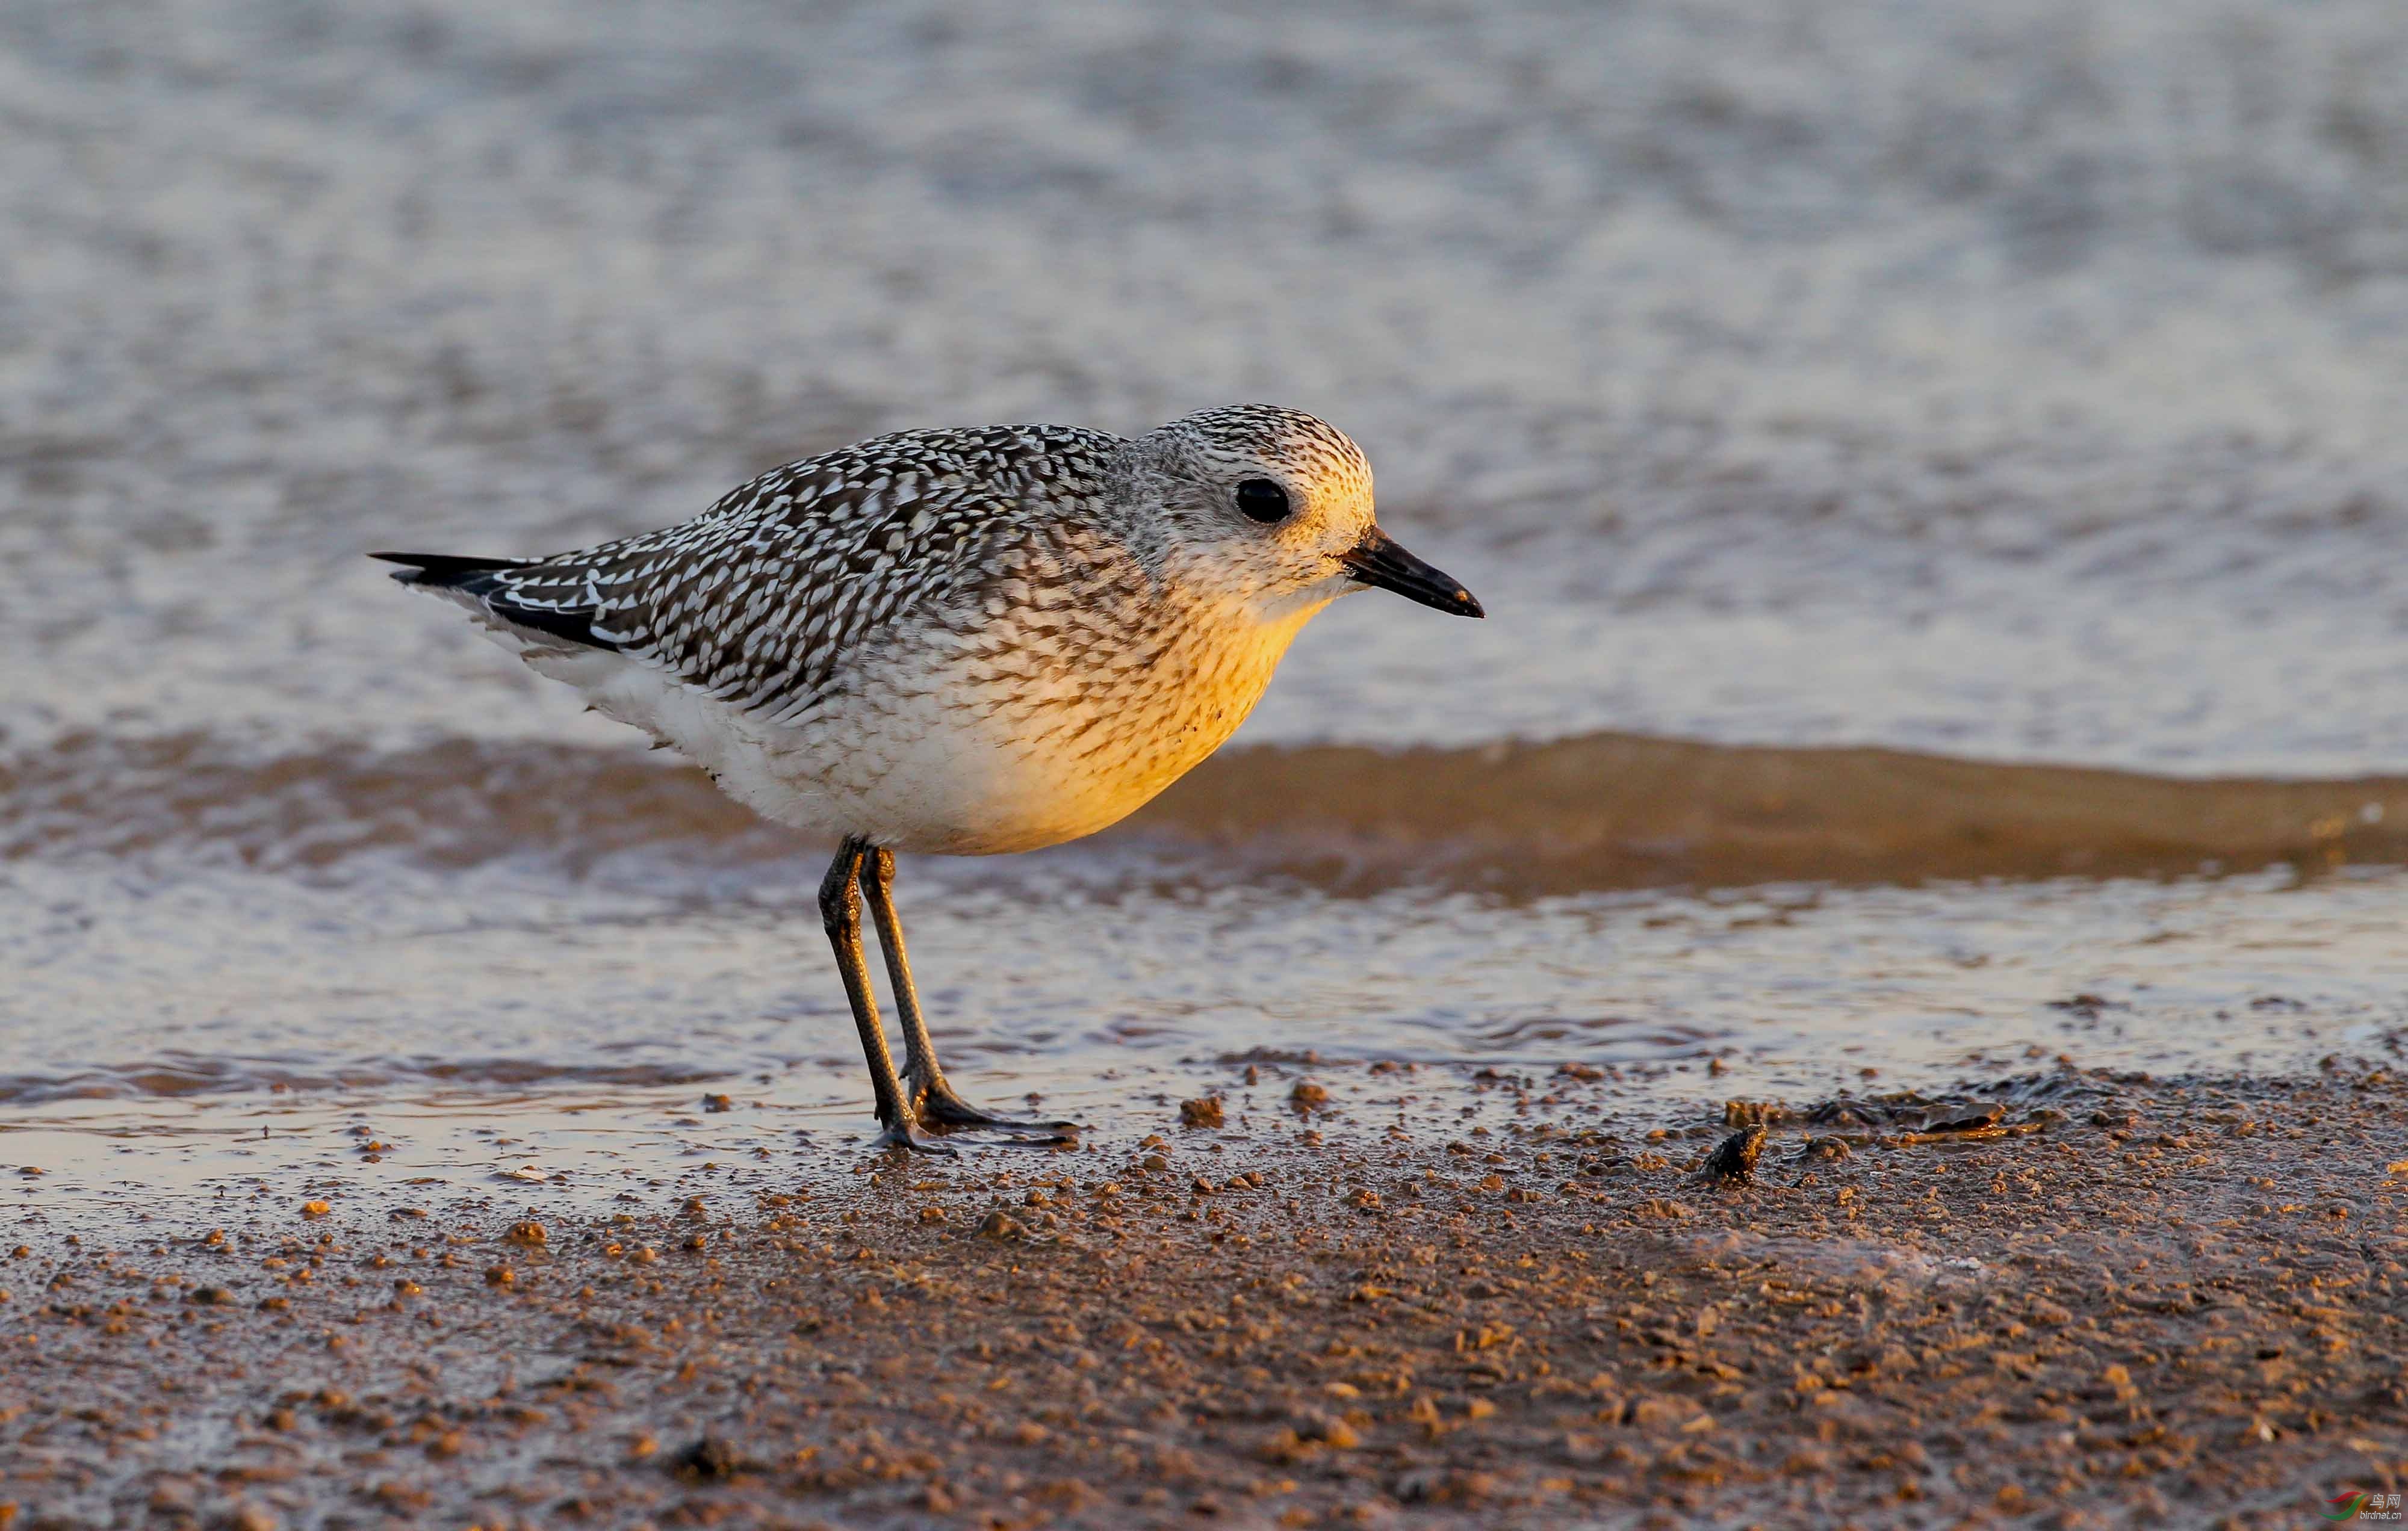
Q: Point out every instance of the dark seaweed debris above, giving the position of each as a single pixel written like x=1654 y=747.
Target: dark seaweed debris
x=1733 y=1161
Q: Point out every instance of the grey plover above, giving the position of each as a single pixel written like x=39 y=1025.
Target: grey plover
x=957 y=642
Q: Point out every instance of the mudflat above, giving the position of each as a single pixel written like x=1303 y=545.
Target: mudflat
x=2072 y=1298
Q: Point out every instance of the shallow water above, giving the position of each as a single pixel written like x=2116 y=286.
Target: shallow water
x=2007 y=382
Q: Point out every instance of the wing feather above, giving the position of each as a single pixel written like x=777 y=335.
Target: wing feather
x=767 y=597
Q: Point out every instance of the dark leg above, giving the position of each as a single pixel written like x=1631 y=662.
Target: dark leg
x=924 y=1081
x=841 y=911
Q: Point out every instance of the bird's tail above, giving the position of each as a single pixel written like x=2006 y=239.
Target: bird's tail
x=486 y=588
x=450 y=571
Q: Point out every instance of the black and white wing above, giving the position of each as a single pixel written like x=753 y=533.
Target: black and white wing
x=764 y=599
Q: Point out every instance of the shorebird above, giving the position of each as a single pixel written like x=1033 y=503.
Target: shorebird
x=960 y=642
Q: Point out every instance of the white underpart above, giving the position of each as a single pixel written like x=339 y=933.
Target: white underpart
x=939 y=760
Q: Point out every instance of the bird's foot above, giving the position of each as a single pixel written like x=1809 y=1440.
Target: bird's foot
x=910 y=1137
x=939 y=1108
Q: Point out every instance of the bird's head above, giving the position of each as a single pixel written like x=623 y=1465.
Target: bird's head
x=1274 y=507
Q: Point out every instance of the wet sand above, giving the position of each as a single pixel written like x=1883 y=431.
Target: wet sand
x=2071 y=1298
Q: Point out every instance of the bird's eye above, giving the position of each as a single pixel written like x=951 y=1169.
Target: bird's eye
x=1262 y=500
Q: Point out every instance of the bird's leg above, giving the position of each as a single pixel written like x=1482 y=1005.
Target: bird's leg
x=841 y=911
x=925 y=1083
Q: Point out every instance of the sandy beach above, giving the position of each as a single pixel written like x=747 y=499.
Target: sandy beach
x=2071 y=1300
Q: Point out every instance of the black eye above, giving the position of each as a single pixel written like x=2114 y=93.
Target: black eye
x=1262 y=500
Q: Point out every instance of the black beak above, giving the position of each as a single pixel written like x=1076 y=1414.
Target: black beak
x=1378 y=560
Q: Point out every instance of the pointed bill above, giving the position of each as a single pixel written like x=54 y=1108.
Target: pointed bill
x=1377 y=560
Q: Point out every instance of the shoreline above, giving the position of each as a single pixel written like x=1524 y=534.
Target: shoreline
x=2089 y=1300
